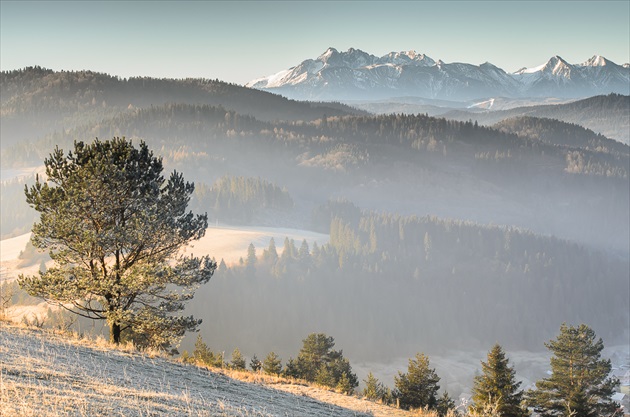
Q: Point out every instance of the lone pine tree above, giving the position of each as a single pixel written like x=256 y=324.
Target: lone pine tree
x=114 y=227
x=579 y=385
x=496 y=387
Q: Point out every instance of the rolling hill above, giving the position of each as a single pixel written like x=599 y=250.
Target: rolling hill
x=48 y=374
x=37 y=100
x=608 y=115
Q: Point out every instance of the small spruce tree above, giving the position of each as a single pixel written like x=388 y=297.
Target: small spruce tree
x=291 y=370
x=445 y=405
x=238 y=362
x=272 y=365
x=374 y=390
x=419 y=386
x=496 y=386
x=255 y=364
x=202 y=353
x=344 y=386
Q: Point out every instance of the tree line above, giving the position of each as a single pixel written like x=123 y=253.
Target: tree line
x=579 y=384
x=197 y=126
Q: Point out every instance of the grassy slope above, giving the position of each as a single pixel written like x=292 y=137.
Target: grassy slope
x=45 y=374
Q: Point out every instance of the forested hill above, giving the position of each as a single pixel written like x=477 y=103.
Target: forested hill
x=408 y=164
x=608 y=115
x=555 y=132
x=36 y=100
x=342 y=143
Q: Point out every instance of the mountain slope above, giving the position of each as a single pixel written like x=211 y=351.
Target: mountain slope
x=36 y=100
x=44 y=374
x=356 y=75
x=560 y=133
x=608 y=115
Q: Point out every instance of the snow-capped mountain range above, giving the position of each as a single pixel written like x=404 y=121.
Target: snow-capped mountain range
x=357 y=75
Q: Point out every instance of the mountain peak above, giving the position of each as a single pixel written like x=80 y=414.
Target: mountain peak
x=554 y=65
x=557 y=60
x=410 y=57
x=596 y=61
x=355 y=74
x=328 y=53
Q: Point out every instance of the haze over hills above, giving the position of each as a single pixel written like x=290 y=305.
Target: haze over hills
x=608 y=115
x=428 y=229
x=36 y=99
x=355 y=74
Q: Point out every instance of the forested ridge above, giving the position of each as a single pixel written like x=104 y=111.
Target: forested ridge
x=36 y=100
x=560 y=133
x=607 y=115
x=186 y=129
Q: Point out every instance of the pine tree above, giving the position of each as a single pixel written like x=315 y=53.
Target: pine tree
x=202 y=353
x=324 y=376
x=272 y=365
x=251 y=255
x=344 y=385
x=374 y=390
x=318 y=362
x=445 y=404
x=271 y=254
x=496 y=386
x=291 y=370
x=238 y=362
x=114 y=227
x=419 y=386
x=255 y=364
x=579 y=385
x=304 y=252
x=316 y=350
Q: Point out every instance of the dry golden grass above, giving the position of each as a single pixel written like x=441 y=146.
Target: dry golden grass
x=324 y=394
x=49 y=373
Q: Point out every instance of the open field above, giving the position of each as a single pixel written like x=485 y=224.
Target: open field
x=230 y=242
x=221 y=242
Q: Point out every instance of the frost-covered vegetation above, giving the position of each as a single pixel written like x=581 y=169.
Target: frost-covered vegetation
x=49 y=374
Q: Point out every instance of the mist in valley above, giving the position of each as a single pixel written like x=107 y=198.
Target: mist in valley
x=395 y=234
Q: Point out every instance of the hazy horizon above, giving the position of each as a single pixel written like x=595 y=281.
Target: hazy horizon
x=240 y=41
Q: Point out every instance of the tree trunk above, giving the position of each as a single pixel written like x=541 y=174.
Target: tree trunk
x=114 y=333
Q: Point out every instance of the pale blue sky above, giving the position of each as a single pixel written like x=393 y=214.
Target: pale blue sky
x=238 y=41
